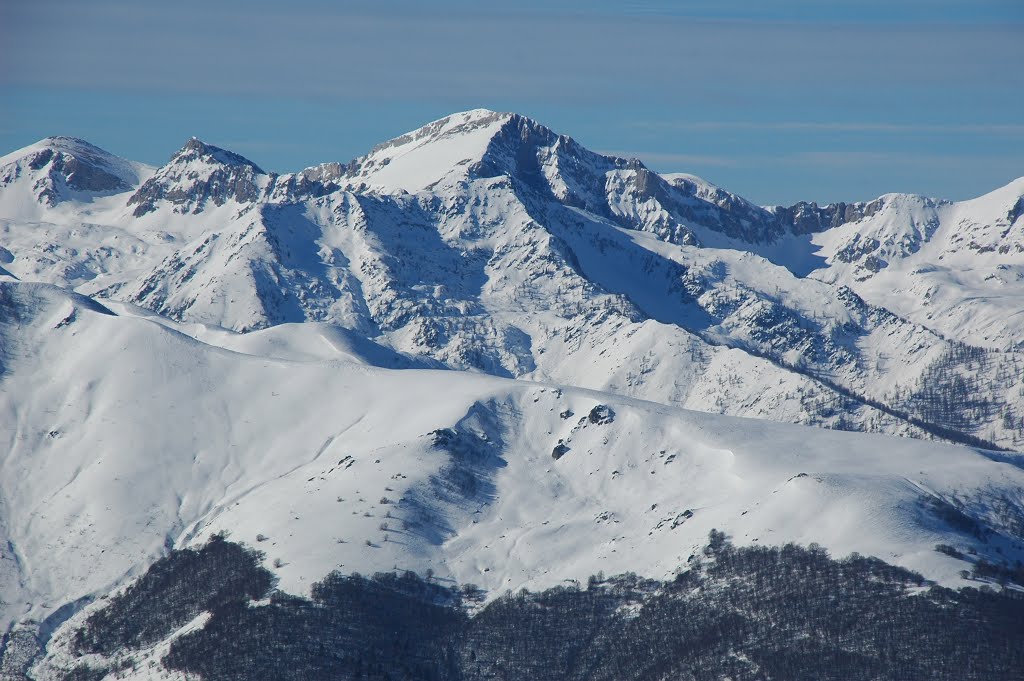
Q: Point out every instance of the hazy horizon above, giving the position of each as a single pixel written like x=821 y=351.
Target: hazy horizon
x=791 y=102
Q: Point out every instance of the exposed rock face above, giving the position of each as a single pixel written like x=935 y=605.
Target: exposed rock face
x=198 y=174
x=857 y=249
x=78 y=173
x=1014 y=213
x=18 y=648
x=58 y=166
x=601 y=415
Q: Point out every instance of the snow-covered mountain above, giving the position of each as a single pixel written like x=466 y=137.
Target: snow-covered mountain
x=208 y=346
x=486 y=241
x=61 y=169
x=953 y=267
x=125 y=437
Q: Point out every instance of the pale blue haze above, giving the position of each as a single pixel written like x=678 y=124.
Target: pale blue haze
x=778 y=101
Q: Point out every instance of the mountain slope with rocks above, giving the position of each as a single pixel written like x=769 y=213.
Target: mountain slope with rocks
x=485 y=241
x=481 y=345
x=126 y=438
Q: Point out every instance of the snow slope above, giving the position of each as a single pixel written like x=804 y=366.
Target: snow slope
x=953 y=267
x=124 y=437
x=484 y=350
x=485 y=241
x=56 y=170
x=424 y=157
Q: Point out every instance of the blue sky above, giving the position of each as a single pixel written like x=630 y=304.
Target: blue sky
x=778 y=101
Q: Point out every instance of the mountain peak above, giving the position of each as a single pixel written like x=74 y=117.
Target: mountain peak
x=454 y=125
x=478 y=114
x=198 y=173
x=61 y=168
x=196 y=145
x=479 y=142
x=195 y=148
x=74 y=146
x=421 y=158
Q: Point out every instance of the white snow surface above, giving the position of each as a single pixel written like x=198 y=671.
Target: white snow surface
x=283 y=348
x=422 y=158
x=953 y=267
x=124 y=437
x=46 y=179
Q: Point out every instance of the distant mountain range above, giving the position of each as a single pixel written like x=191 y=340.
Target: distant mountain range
x=481 y=349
